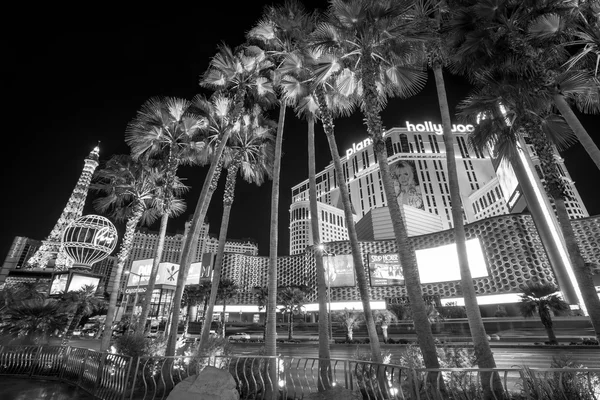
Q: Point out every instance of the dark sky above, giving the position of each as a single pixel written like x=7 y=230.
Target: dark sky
x=71 y=77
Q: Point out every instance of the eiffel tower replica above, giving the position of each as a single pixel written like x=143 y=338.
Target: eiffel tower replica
x=51 y=254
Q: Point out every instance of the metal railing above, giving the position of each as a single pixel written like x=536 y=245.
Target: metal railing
x=112 y=376
x=103 y=375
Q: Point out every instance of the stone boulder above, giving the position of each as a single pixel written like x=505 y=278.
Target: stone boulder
x=210 y=384
x=336 y=393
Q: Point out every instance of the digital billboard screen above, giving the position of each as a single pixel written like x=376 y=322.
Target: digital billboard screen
x=167 y=273
x=440 y=264
x=385 y=269
x=339 y=270
x=59 y=283
x=78 y=281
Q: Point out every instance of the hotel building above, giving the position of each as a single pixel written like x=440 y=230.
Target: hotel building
x=488 y=188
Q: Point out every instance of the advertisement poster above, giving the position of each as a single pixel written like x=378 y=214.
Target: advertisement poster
x=406 y=184
x=59 y=283
x=339 y=270
x=79 y=281
x=385 y=270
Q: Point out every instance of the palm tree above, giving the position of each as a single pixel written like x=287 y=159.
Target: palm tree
x=79 y=304
x=127 y=189
x=377 y=47
x=281 y=31
x=284 y=32
x=541 y=298
x=171 y=130
x=527 y=39
x=33 y=319
x=291 y=300
x=384 y=318
x=350 y=319
x=243 y=75
x=529 y=115
x=434 y=16
x=228 y=289
x=249 y=153
x=262 y=301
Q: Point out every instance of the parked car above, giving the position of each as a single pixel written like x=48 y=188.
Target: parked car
x=239 y=336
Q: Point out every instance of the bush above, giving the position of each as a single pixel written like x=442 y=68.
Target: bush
x=451 y=312
x=138 y=345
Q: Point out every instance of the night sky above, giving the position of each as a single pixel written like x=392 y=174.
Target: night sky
x=72 y=77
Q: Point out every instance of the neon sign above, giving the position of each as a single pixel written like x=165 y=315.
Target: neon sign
x=428 y=126
x=358 y=147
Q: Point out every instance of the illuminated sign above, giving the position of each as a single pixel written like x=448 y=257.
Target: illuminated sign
x=78 y=281
x=385 y=269
x=358 y=146
x=440 y=264
x=339 y=270
x=428 y=126
x=104 y=236
x=59 y=283
x=135 y=290
x=167 y=273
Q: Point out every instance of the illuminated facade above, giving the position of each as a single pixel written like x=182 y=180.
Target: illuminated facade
x=418 y=165
x=50 y=254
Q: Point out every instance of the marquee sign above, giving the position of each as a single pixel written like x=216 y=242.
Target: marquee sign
x=428 y=126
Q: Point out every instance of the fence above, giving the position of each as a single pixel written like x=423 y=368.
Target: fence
x=102 y=375
x=111 y=376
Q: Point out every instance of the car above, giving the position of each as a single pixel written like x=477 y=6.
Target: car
x=239 y=336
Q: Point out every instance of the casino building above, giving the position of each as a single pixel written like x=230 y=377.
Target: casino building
x=488 y=188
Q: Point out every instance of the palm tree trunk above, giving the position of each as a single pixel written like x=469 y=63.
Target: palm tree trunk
x=121 y=259
x=359 y=268
x=270 y=340
x=405 y=250
x=141 y=326
x=187 y=254
x=324 y=353
x=384 y=332
x=574 y=123
x=223 y=319
x=227 y=203
x=483 y=352
x=547 y=322
x=583 y=273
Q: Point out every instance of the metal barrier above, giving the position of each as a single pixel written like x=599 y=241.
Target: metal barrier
x=111 y=376
x=102 y=375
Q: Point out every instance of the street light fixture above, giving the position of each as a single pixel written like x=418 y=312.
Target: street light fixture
x=330 y=318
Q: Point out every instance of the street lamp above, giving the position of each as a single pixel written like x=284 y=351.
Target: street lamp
x=324 y=253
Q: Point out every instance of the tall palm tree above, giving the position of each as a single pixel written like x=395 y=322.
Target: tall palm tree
x=227 y=290
x=527 y=39
x=171 y=130
x=243 y=75
x=542 y=299
x=529 y=115
x=127 y=189
x=33 y=319
x=435 y=16
x=250 y=152
x=291 y=300
x=378 y=48
x=282 y=30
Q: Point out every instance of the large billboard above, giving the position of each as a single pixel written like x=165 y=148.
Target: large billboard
x=339 y=270
x=385 y=269
x=167 y=273
x=440 y=264
x=78 y=281
x=406 y=184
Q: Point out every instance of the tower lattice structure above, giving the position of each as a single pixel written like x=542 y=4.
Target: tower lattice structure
x=51 y=250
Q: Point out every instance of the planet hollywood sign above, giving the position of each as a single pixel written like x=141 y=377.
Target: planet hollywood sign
x=426 y=126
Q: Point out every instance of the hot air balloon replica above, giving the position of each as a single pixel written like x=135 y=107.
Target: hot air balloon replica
x=87 y=240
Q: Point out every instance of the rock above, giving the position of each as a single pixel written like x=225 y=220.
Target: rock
x=211 y=384
x=337 y=393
